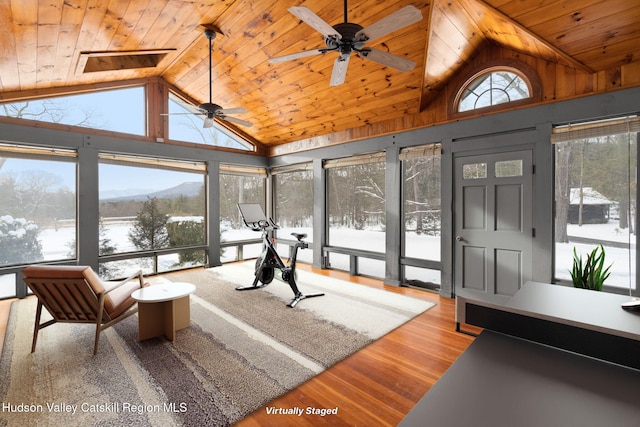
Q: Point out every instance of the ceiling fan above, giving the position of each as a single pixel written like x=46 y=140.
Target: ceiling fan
x=209 y=109
x=346 y=38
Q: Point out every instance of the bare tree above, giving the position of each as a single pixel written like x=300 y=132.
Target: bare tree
x=48 y=110
x=563 y=191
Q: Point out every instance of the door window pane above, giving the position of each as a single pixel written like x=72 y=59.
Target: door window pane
x=474 y=171
x=508 y=168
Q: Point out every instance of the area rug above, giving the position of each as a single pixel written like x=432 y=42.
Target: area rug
x=242 y=350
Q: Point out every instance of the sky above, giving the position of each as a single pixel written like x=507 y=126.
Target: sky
x=115 y=177
x=111 y=177
x=121 y=110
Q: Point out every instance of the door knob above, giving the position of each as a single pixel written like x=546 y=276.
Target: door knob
x=459 y=238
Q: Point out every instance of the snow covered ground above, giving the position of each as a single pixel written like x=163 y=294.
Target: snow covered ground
x=55 y=245
x=623 y=268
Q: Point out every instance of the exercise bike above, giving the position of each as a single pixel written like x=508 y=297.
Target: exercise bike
x=253 y=217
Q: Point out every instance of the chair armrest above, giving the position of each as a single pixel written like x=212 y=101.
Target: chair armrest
x=116 y=285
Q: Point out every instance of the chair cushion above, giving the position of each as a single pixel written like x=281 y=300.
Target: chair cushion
x=119 y=300
x=115 y=303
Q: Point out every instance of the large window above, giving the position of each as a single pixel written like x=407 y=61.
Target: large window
x=119 y=110
x=422 y=210
x=293 y=189
x=37 y=208
x=356 y=208
x=595 y=197
x=239 y=185
x=147 y=205
x=37 y=205
x=185 y=125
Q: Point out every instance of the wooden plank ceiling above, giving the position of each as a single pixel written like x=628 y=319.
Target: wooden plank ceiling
x=44 y=45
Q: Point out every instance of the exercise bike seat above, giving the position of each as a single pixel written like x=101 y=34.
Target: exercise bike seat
x=299 y=236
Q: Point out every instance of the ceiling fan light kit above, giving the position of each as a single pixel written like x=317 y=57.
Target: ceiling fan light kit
x=347 y=38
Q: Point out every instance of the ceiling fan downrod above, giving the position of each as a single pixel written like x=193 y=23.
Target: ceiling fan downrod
x=210 y=34
x=345 y=12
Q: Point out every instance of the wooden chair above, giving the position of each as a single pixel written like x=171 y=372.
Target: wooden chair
x=75 y=294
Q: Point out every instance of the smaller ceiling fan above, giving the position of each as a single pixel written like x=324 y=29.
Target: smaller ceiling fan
x=346 y=38
x=209 y=109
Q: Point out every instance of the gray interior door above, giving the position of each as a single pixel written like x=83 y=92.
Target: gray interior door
x=493 y=223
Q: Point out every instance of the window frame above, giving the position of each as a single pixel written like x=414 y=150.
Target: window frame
x=250 y=243
x=411 y=264
x=227 y=132
x=359 y=259
x=566 y=133
x=69 y=94
x=522 y=70
x=163 y=164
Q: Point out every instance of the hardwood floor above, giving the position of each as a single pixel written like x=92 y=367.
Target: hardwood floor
x=381 y=383
x=376 y=386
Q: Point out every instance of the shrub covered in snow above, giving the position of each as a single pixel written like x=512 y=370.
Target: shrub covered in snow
x=18 y=241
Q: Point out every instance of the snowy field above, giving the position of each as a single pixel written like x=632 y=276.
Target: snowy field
x=623 y=269
x=55 y=246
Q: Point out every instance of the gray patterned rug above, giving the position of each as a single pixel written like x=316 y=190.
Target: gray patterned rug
x=242 y=350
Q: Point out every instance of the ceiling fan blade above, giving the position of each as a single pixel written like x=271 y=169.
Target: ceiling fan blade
x=314 y=21
x=236 y=120
x=387 y=59
x=208 y=122
x=401 y=18
x=339 y=70
x=293 y=56
x=239 y=110
x=186 y=106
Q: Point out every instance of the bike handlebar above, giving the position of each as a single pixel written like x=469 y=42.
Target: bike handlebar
x=263 y=225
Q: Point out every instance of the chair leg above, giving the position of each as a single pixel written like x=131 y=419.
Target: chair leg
x=36 y=327
x=95 y=345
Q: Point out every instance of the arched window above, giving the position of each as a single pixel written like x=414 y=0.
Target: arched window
x=493 y=87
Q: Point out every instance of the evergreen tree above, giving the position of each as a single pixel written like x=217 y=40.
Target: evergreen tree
x=185 y=233
x=149 y=230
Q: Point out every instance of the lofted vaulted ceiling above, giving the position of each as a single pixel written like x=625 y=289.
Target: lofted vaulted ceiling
x=46 y=45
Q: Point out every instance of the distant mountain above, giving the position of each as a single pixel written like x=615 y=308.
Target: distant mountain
x=187 y=189
x=123 y=194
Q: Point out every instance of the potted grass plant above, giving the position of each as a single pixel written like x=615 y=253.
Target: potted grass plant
x=591 y=273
